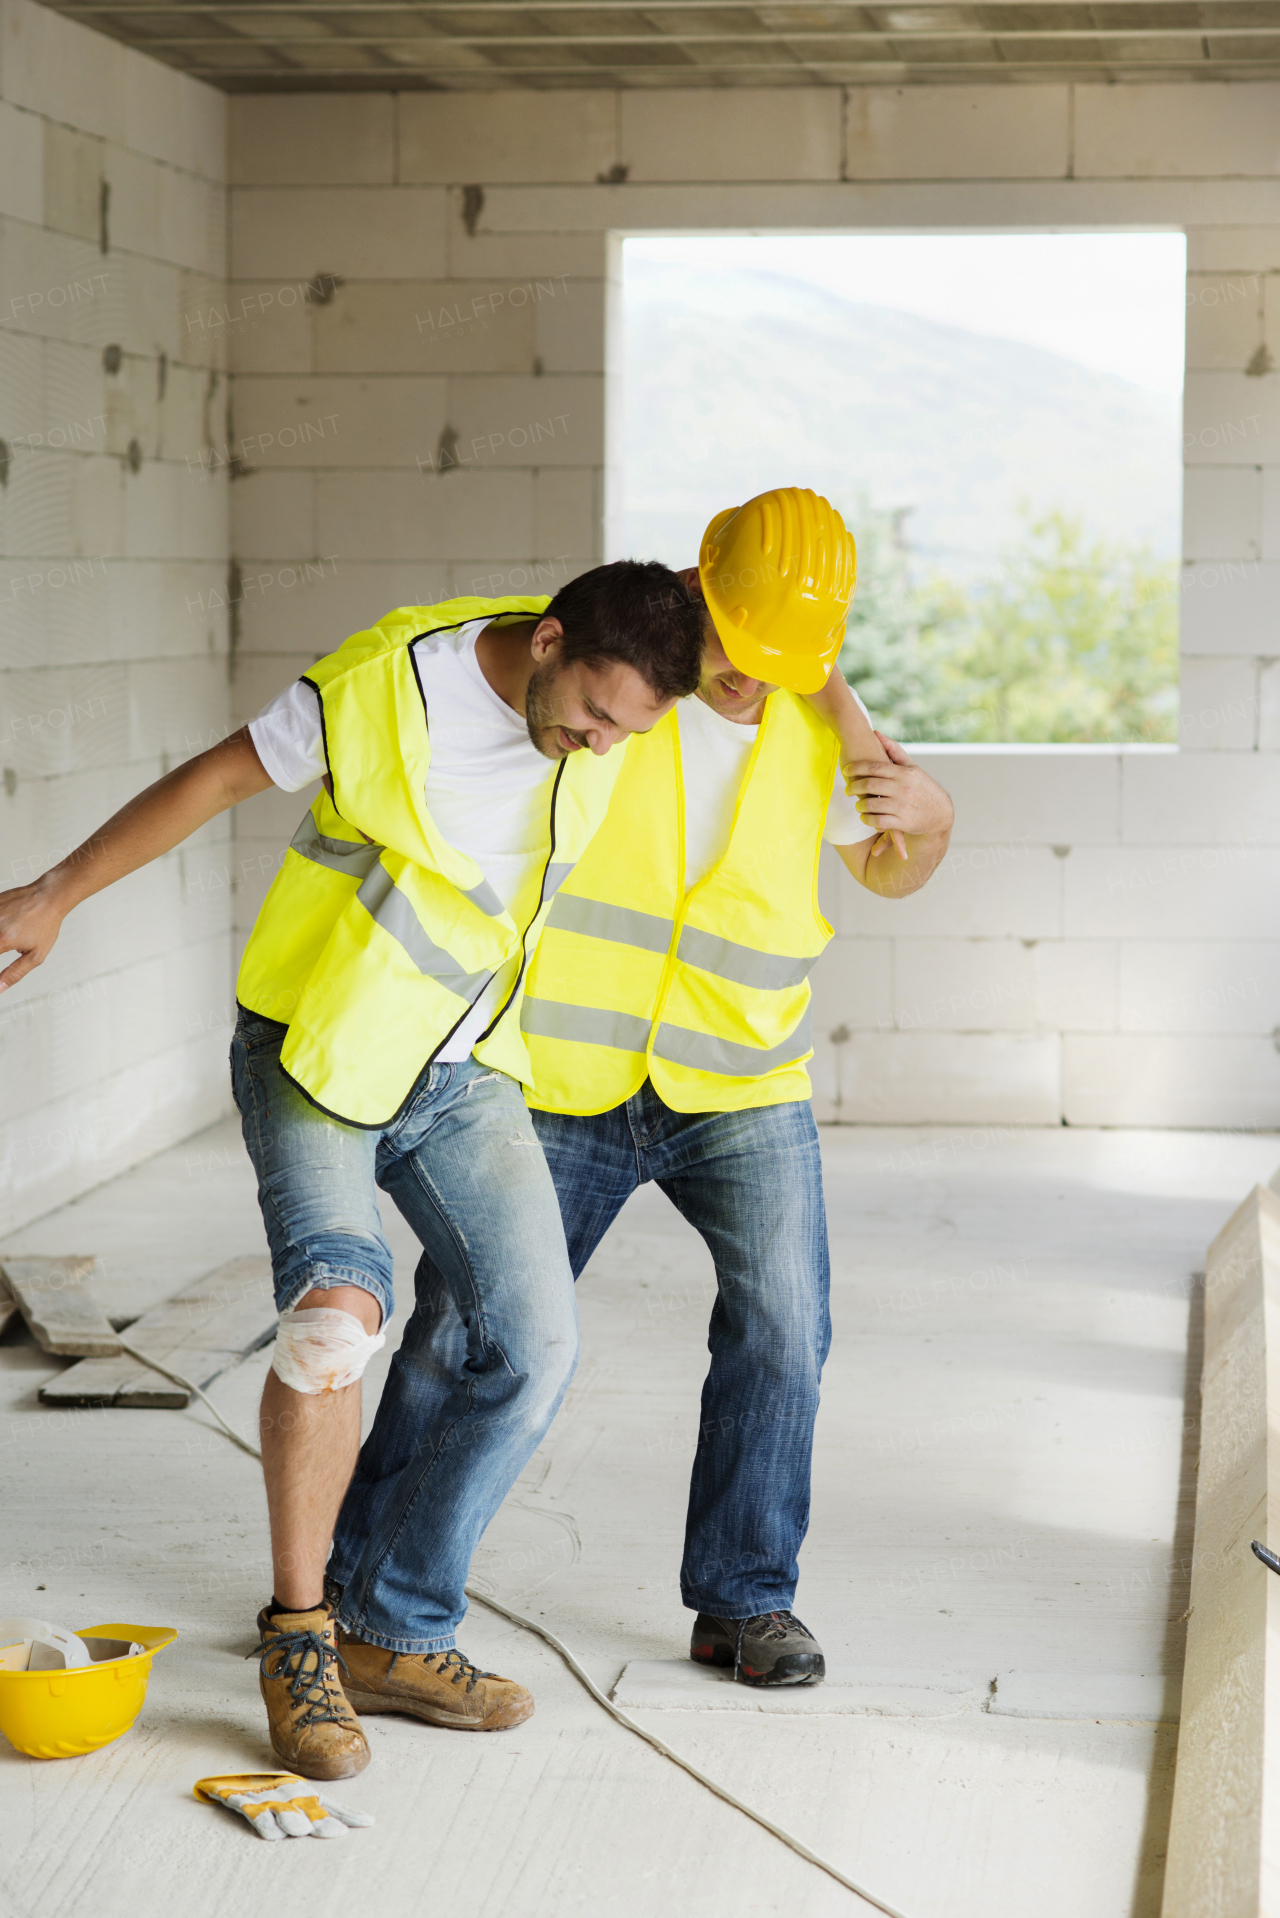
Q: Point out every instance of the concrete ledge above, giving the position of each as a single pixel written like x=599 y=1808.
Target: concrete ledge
x=1224 y=1840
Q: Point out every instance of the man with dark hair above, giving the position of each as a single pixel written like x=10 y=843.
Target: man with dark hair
x=597 y=615
x=379 y=1042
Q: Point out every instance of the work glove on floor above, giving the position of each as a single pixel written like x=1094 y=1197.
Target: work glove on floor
x=279 y=1804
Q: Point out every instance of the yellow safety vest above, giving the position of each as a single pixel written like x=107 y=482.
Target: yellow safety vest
x=378 y=936
x=704 y=992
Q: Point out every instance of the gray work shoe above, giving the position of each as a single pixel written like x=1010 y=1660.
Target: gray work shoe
x=773 y=1648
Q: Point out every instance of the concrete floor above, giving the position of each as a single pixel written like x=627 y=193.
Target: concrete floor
x=1003 y=1487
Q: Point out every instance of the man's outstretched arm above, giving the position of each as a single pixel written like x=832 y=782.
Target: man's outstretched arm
x=160 y=818
x=898 y=797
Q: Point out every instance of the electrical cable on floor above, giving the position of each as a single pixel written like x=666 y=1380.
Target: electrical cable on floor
x=623 y=1718
x=583 y=1678
x=176 y=1378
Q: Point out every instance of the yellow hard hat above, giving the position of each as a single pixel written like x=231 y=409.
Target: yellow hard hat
x=778 y=575
x=61 y=1714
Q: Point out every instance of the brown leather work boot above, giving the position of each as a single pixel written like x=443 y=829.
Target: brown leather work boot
x=441 y=1687
x=313 y=1728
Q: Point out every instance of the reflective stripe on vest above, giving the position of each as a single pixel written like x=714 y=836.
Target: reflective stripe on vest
x=706 y=991
x=623 y=924
x=383 y=900
x=623 y=1032
x=356 y=858
x=725 y=957
x=377 y=935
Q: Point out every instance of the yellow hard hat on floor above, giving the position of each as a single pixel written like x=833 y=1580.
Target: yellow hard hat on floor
x=51 y=1713
x=778 y=575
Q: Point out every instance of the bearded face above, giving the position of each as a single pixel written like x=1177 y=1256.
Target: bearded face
x=545 y=712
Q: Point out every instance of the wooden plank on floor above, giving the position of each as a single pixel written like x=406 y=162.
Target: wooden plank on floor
x=56 y=1298
x=200 y=1332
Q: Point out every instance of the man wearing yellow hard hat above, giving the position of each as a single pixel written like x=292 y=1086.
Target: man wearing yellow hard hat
x=668 y=1024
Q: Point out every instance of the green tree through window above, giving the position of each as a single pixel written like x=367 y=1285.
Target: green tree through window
x=1072 y=640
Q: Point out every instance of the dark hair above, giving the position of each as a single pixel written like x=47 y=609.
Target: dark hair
x=639 y=612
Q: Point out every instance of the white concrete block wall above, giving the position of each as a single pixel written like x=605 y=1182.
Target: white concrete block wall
x=417 y=412
x=113 y=562
x=423 y=273
x=1099 y=947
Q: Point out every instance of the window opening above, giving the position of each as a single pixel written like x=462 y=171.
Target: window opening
x=999 y=419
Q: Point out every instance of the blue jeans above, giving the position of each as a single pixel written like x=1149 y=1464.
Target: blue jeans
x=751 y=1184
x=463 y=1165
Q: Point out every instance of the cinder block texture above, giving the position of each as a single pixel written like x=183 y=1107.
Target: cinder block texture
x=21 y=164
x=1166 y=892
x=1271 y=510
x=1077 y=983
x=267 y=326
x=74 y=1142
x=1215 y=130
x=273 y=515
x=1009 y=890
x=1220 y=705
x=553 y=421
x=1222 y=512
x=73 y=176
x=496 y=579
x=523 y=256
x=312 y=139
x=852 y=992
x=948 y=133
x=1233 y=249
x=1238 y=804
x=337 y=422
x=964 y=985
x=565 y=518
x=760 y=133
x=431 y=326
x=1168 y=1080
x=371 y=308
x=455 y=139
x=367 y=233
x=113 y=543
x=1268 y=355
x=68 y=74
x=569 y=324
x=1051 y=795
x=912 y=1078
x=1231 y=419
x=1003 y=985
x=311 y=609
x=1269 y=706
x=1200 y=986
x=1224 y=319
x=1231 y=606
x=471 y=513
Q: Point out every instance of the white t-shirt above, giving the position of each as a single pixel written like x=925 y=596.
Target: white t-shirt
x=487 y=784
x=714 y=752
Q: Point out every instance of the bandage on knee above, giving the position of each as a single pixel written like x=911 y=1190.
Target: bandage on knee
x=320 y=1350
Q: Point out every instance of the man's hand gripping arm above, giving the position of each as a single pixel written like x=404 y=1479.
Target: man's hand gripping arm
x=858 y=742
x=897 y=796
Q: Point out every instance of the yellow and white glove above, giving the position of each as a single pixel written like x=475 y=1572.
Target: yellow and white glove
x=279 y=1804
